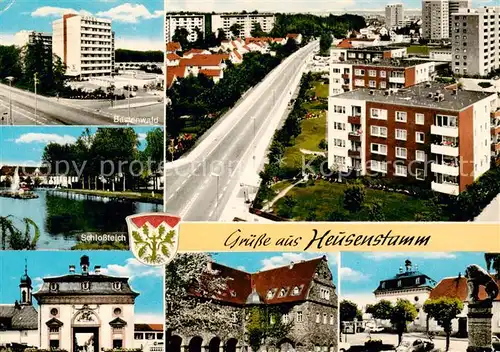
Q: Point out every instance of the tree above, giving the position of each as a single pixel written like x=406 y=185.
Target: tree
x=325 y=43
x=349 y=311
x=375 y=211
x=221 y=35
x=444 y=310
x=257 y=31
x=381 y=310
x=235 y=29
x=154 y=152
x=185 y=274
x=181 y=35
x=13 y=238
x=493 y=262
x=403 y=313
x=354 y=196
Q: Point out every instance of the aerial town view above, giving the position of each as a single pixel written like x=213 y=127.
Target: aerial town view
x=357 y=111
x=252 y=302
x=81 y=63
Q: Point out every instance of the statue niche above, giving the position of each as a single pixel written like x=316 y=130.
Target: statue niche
x=476 y=277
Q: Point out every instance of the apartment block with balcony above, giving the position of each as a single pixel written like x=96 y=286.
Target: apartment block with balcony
x=224 y=21
x=435 y=19
x=430 y=133
x=85 y=44
x=381 y=74
x=495 y=133
x=190 y=22
x=369 y=53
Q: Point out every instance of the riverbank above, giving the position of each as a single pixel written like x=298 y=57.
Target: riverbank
x=144 y=197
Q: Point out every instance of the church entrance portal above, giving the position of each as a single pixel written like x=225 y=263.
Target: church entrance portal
x=85 y=339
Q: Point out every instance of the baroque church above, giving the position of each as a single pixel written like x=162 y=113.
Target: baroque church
x=304 y=292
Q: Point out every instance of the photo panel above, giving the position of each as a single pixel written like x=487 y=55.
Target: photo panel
x=82 y=302
x=425 y=301
x=72 y=187
x=252 y=301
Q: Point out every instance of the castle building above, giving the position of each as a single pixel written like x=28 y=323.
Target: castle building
x=303 y=292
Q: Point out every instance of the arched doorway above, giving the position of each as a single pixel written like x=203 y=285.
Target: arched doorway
x=195 y=344
x=214 y=345
x=231 y=345
x=286 y=345
x=175 y=343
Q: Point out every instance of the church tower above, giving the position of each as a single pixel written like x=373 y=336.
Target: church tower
x=25 y=287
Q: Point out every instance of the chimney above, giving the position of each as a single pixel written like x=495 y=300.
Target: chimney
x=459 y=275
x=72 y=269
x=291 y=265
x=97 y=269
x=84 y=264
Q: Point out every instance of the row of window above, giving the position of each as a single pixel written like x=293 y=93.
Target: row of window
x=399 y=170
x=284 y=292
x=401 y=152
x=399 y=283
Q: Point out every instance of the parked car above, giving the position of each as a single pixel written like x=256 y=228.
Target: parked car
x=418 y=345
x=495 y=341
x=344 y=347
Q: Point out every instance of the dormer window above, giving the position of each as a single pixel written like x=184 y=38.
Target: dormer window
x=282 y=292
x=417 y=281
x=233 y=293
x=117 y=285
x=296 y=291
x=383 y=285
x=270 y=293
x=399 y=283
x=86 y=285
x=53 y=286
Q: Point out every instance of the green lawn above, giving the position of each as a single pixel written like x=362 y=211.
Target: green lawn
x=144 y=196
x=321 y=89
x=318 y=201
x=418 y=49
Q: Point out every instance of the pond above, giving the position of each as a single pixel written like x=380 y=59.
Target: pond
x=61 y=217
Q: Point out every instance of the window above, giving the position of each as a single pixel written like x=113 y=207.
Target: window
x=299 y=317
x=332 y=319
x=420 y=137
x=339 y=143
x=325 y=319
x=383 y=284
x=282 y=292
x=378 y=114
x=420 y=174
x=372 y=73
x=54 y=312
x=399 y=283
x=86 y=285
x=150 y=336
x=419 y=155
x=401 y=170
x=139 y=336
x=359 y=83
x=400 y=116
x=419 y=119
x=117 y=285
x=373 y=84
x=446 y=121
x=54 y=330
x=339 y=126
x=383 y=84
x=159 y=336
x=296 y=291
x=359 y=72
x=270 y=293
x=339 y=160
x=324 y=293
x=400 y=152
x=378 y=166
x=118 y=343
x=401 y=135
x=378 y=131
x=339 y=109
x=54 y=344
x=379 y=149
x=318 y=318
x=285 y=318
x=417 y=281
x=53 y=286
x=383 y=74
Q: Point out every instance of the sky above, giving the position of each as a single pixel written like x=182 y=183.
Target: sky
x=313 y=6
x=24 y=145
x=361 y=272
x=146 y=280
x=257 y=261
x=138 y=24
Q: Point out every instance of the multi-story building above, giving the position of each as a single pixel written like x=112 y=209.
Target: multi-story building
x=475 y=41
x=149 y=337
x=410 y=284
x=190 y=22
x=495 y=134
x=380 y=74
x=453 y=7
x=435 y=19
x=430 y=133
x=226 y=20
x=303 y=292
x=394 y=15
x=25 y=37
x=85 y=44
x=367 y=53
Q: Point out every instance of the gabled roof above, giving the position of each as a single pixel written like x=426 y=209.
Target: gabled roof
x=237 y=53
x=22 y=317
x=118 y=322
x=456 y=287
x=195 y=51
x=174 y=72
x=148 y=327
x=345 y=44
x=211 y=73
x=173 y=46
x=173 y=57
x=205 y=60
x=292 y=35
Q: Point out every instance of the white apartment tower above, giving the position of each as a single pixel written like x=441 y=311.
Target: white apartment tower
x=394 y=15
x=190 y=22
x=475 y=41
x=435 y=19
x=85 y=44
x=246 y=21
x=454 y=6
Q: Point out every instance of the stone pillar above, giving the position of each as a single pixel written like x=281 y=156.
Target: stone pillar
x=479 y=326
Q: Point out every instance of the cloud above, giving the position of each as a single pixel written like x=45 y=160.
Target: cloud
x=6 y=5
x=133 y=269
x=45 y=138
x=138 y=43
x=37 y=283
x=351 y=275
x=8 y=39
x=149 y=318
x=378 y=256
x=130 y=13
x=52 y=11
x=241 y=267
x=361 y=299
x=287 y=258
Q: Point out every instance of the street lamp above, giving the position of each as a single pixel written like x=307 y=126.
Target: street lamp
x=35 y=82
x=217 y=199
x=10 y=79
x=253 y=157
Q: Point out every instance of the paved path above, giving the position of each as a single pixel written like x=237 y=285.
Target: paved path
x=491 y=213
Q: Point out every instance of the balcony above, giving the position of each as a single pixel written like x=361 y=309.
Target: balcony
x=346 y=76
x=495 y=147
x=449 y=150
x=446 y=169
x=354 y=120
x=448 y=188
x=400 y=80
x=444 y=131
x=354 y=153
x=355 y=136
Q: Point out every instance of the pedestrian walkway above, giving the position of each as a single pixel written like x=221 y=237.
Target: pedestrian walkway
x=280 y=195
x=491 y=213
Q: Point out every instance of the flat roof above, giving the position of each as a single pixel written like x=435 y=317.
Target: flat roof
x=418 y=96
x=385 y=62
x=376 y=48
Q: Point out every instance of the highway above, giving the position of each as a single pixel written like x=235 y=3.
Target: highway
x=199 y=186
x=49 y=111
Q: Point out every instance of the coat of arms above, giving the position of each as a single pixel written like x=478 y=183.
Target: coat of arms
x=153 y=237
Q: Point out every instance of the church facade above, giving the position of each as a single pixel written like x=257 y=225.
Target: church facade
x=303 y=292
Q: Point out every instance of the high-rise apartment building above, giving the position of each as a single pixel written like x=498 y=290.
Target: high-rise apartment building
x=454 y=6
x=435 y=19
x=246 y=21
x=190 y=22
x=28 y=37
x=475 y=41
x=85 y=44
x=394 y=15
x=431 y=133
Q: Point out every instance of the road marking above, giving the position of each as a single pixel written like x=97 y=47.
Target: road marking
x=19 y=111
x=189 y=205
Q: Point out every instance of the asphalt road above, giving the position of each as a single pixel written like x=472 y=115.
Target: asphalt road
x=51 y=111
x=194 y=191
